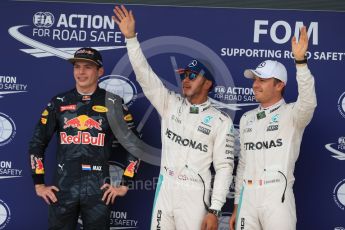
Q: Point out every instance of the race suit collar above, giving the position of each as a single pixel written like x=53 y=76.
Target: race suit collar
x=272 y=108
x=197 y=108
x=87 y=97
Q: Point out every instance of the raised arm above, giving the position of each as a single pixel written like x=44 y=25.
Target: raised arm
x=125 y=20
x=151 y=84
x=306 y=102
x=299 y=48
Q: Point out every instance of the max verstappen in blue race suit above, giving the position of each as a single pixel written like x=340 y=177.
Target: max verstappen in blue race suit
x=270 y=137
x=82 y=120
x=194 y=135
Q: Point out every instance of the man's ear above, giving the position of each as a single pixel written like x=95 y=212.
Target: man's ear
x=100 y=72
x=208 y=84
x=281 y=85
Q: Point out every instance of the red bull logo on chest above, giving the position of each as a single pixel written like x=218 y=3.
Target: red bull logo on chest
x=82 y=122
x=83 y=138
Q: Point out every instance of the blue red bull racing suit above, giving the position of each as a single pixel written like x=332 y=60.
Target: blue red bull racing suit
x=85 y=144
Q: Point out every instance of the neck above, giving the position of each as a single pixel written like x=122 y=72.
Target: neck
x=270 y=103
x=86 y=91
x=197 y=100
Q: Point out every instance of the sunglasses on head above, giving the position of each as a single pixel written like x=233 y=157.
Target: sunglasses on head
x=191 y=75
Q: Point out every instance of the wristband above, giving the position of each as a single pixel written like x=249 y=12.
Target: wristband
x=304 y=61
x=217 y=213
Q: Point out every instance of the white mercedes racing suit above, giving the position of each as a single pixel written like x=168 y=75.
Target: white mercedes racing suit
x=193 y=137
x=270 y=143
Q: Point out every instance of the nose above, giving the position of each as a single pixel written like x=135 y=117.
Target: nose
x=186 y=79
x=81 y=70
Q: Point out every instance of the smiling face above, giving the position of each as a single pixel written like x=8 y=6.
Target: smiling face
x=86 y=76
x=267 y=91
x=196 y=90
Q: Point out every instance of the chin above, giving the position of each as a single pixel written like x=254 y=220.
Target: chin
x=186 y=94
x=258 y=99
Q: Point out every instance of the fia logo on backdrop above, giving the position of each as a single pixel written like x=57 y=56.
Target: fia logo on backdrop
x=339 y=194
x=341 y=104
x=5 y=214
x=121 y=86
x=7 y=129
x=338 y=149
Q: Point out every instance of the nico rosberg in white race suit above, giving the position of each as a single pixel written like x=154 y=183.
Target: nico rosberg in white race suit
x=194 y=136
x=270 y=139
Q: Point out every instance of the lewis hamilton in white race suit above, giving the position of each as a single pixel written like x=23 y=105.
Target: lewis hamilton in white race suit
x=194 y=135
x=270 y=139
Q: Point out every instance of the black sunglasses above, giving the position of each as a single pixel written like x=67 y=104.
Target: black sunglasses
x=191 y=75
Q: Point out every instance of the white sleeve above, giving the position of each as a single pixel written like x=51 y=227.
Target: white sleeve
x=240 y=166
x=223 y=163
x=152 y=86
x=304 y=107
